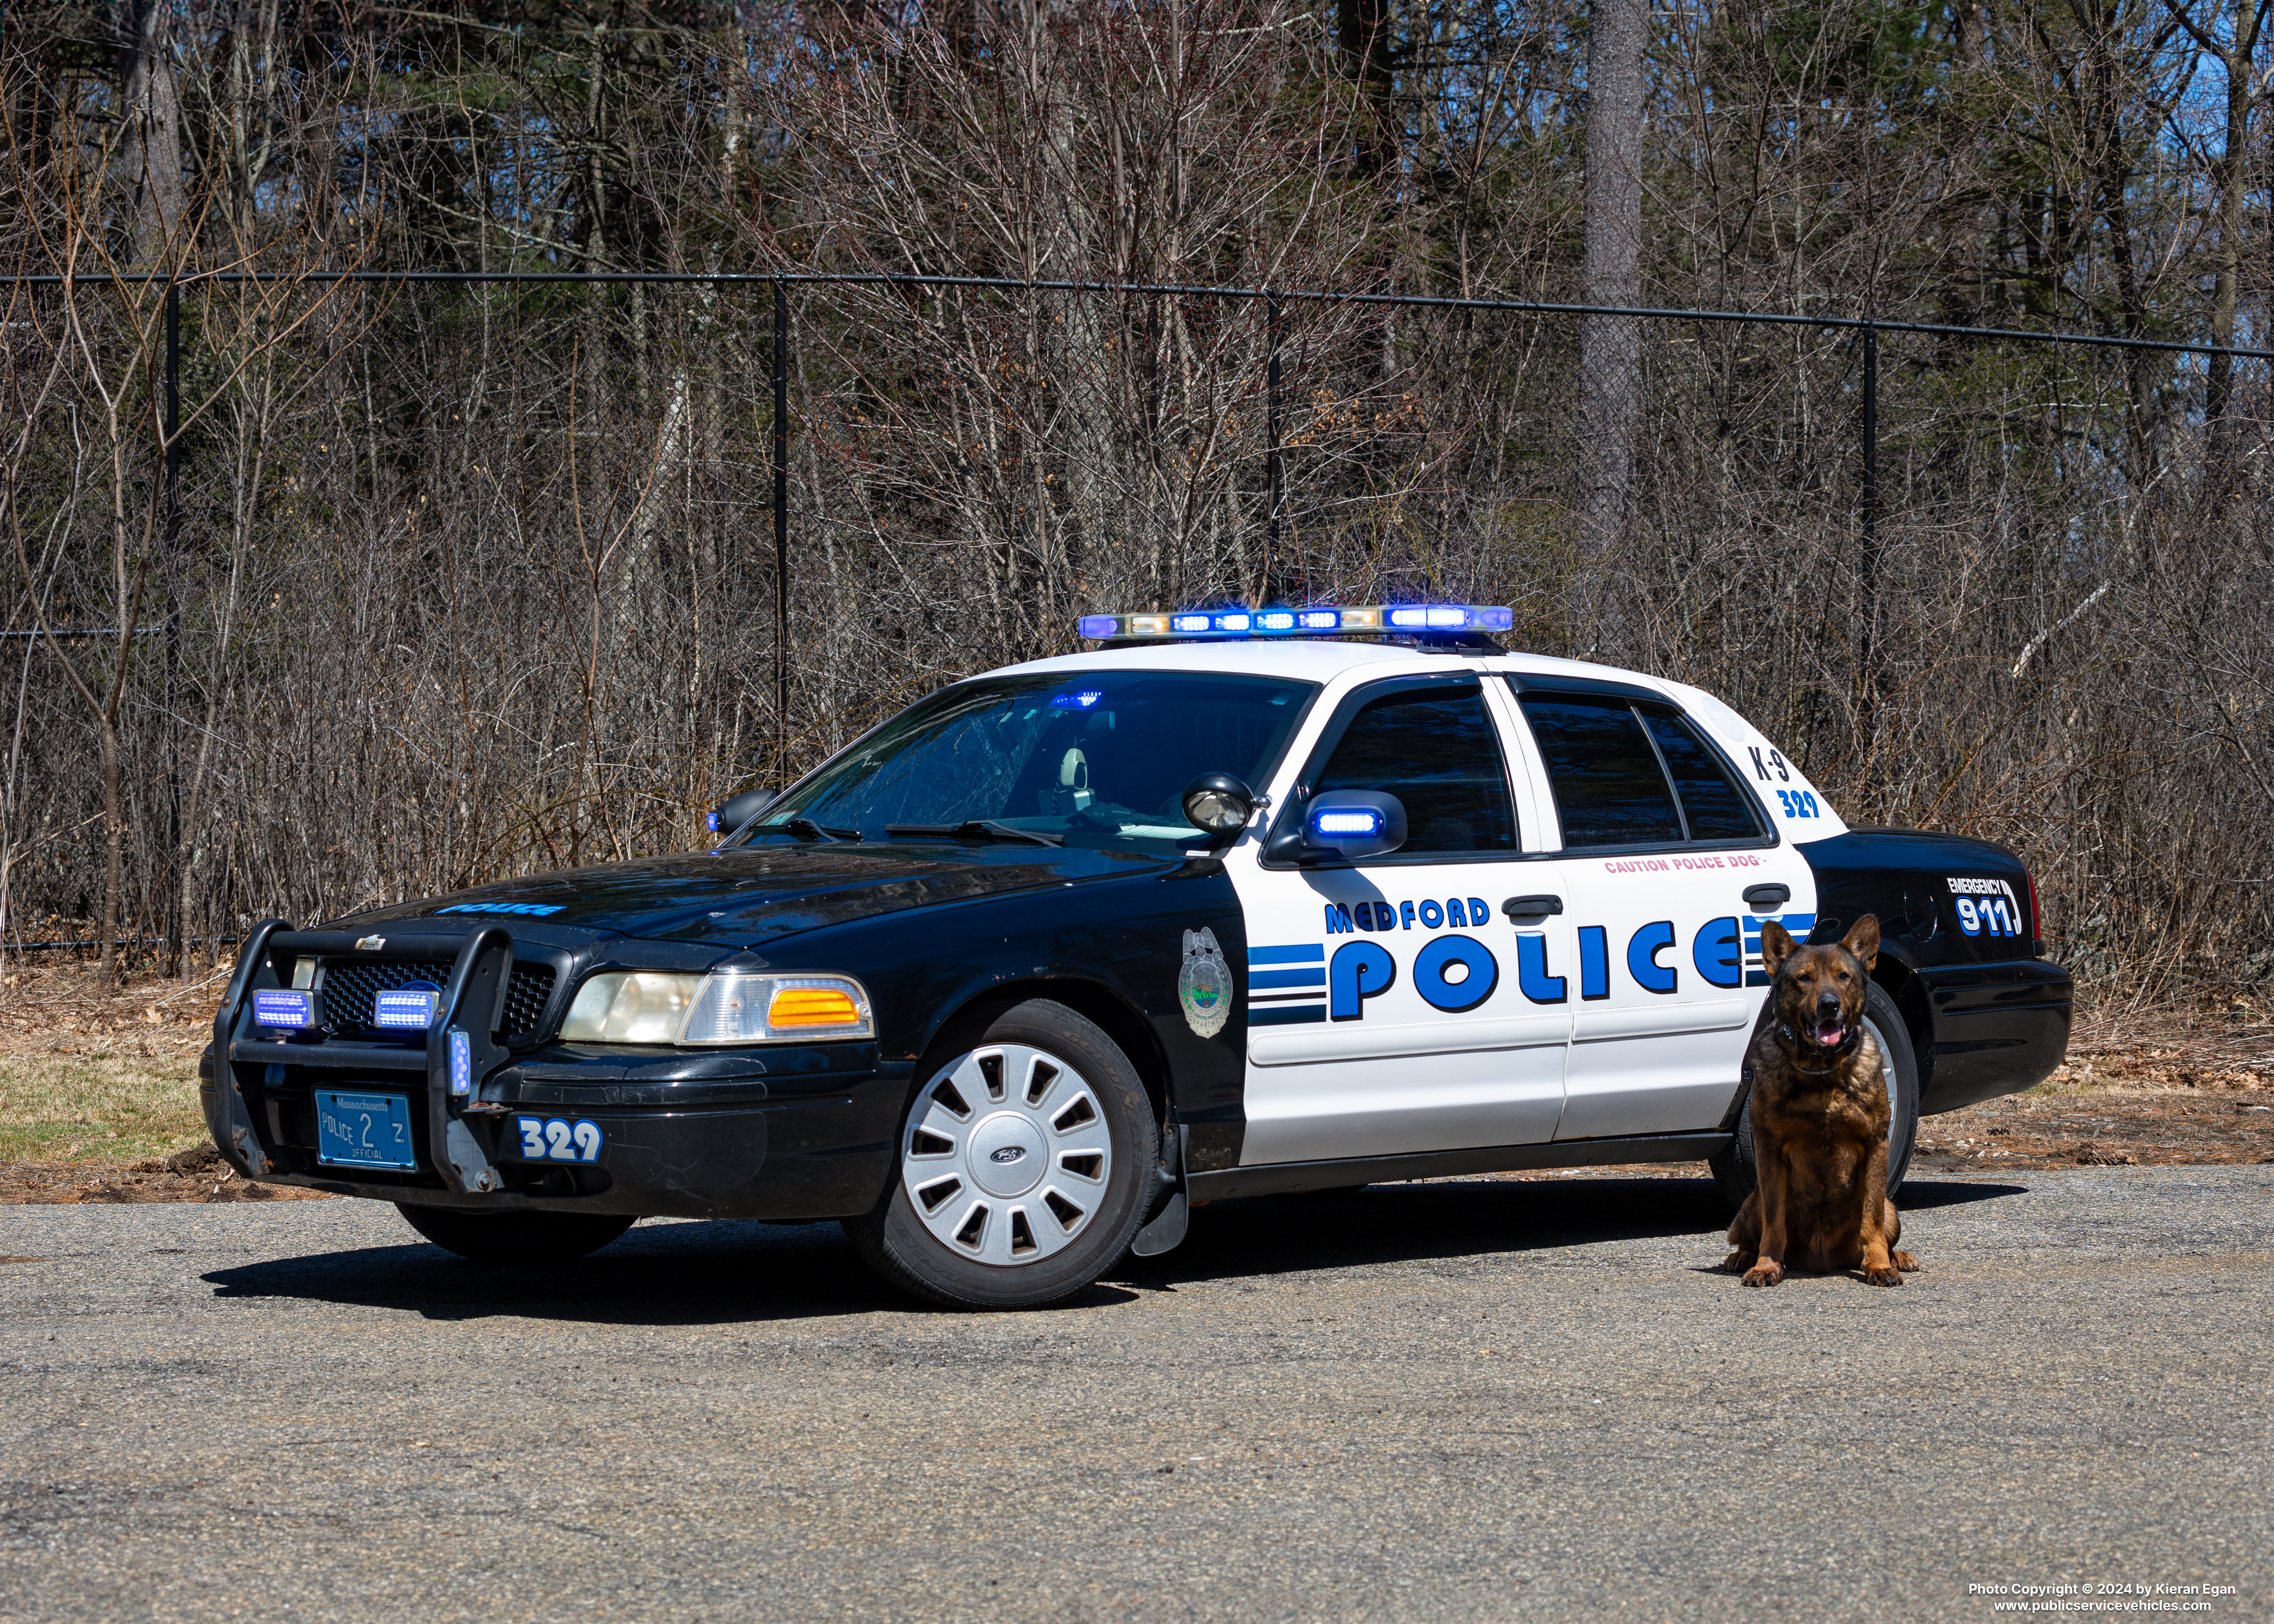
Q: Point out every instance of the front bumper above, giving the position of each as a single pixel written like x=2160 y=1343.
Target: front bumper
x=1992 y=1029
x=779 y=1132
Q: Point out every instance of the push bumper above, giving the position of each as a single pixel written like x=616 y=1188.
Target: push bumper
x=1994 y=1029
x=794 y=1132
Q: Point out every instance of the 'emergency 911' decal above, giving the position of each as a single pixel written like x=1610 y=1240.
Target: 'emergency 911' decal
x=1986 y=908
x=1299 y=983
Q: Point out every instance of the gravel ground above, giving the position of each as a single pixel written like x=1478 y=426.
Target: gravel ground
x=1462 y=1398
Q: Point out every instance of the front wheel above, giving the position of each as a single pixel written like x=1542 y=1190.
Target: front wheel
x=1733 y=1172
x=1026 y=1161
x=520 y=1239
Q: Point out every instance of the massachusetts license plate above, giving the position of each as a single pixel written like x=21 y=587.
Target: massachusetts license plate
x=363 y=1130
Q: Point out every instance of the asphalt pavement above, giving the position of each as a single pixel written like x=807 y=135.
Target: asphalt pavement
x=1478 y=1399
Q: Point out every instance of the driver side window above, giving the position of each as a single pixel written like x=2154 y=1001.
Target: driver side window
x=1436 y=749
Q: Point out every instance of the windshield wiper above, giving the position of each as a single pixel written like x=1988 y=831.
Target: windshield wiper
x=974 y=829
x=806 y=829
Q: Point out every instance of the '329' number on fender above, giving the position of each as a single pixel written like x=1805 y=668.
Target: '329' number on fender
x=1799 y=803
x=556 y=1140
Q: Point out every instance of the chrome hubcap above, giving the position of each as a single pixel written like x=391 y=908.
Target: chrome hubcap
x=1007 y=1155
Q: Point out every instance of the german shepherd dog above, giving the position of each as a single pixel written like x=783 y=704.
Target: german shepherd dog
x=1820 y=1115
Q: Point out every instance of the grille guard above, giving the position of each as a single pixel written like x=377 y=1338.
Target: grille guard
x=470 y=1004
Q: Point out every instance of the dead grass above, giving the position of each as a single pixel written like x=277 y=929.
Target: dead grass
x=85 y=1076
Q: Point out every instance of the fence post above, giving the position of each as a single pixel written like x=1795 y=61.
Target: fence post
x=1871 y=572
x=1271 y=457
x=782 y=523
x=173 y=908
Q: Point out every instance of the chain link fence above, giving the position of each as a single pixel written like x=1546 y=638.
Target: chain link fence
x=455 y=576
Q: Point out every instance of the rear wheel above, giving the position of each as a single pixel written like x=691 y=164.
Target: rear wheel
x=515 y=1238
x=1733 y=1168
x=1025 y=1159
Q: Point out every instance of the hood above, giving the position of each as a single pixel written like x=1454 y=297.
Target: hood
x=753 y=895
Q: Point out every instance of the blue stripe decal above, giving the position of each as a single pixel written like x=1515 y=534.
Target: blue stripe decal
x=1257 y=979
x=1287 y=1015
x=1309 y=952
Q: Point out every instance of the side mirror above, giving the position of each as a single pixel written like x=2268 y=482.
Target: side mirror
x=1219 y=805
x=1351 y=824
x=740 y=810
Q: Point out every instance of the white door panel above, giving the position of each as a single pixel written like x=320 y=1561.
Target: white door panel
x=1385 y=1005
x=1344 y=1064
x=1665 y=949
x=1329 y=1109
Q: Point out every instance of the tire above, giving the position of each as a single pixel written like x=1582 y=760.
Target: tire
x=1733 y=1168
x=516 y=1239
x=966 y=1225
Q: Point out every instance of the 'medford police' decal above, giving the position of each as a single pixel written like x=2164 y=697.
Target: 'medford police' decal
x=1297 y=983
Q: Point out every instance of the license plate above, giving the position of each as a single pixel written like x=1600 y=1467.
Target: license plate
x=363 y=1130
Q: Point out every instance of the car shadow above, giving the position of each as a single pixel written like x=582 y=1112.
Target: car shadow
x=657 y=1273
x=726 y=1273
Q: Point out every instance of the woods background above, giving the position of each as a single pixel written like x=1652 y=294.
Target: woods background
x=463 y=580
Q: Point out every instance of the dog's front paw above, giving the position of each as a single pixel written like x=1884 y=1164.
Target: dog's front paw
x=1890 y=1276
x=1907 y=1263
x=1767 y=1272
x=1738 y=1262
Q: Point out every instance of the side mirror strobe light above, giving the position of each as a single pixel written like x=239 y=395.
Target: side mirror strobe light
x=739 y=810
x=1352 y=823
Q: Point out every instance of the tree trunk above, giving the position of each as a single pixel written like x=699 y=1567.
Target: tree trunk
x=1610 y=347
x=1362 y=30
x=150 y=148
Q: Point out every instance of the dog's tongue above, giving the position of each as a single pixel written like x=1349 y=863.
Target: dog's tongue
x=1830 y=1033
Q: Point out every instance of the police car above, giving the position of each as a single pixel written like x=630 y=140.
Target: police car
x=1238 y=902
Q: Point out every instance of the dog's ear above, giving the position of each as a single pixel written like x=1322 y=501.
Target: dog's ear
x=1863 y=941
x=1777 y=945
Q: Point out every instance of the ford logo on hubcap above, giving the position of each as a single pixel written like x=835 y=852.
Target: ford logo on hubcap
x=1009 y=1152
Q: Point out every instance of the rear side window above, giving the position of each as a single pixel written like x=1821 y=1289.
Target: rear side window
x=1436 y=750
x=1609 y=789
x=1716 y=808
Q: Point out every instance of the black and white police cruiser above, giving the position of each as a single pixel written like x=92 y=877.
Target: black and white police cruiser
x=1239 y=902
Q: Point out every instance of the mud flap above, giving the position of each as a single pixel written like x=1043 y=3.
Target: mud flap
x=1167 y=1230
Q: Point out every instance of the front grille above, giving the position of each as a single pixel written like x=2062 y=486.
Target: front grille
x=351 y=985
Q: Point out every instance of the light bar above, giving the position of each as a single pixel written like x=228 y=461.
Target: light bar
x=1212 y=624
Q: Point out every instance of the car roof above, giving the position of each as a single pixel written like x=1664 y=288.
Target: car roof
x=1322 y=659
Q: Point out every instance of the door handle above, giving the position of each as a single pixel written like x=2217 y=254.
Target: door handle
x=1531 y=907
x=1767 y=896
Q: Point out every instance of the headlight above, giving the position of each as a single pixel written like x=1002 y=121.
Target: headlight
x=650 y=1007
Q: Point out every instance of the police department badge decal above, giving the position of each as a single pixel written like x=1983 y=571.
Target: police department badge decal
x=1204 y=984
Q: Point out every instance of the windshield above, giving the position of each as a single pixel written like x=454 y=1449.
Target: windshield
x=1086 y=754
